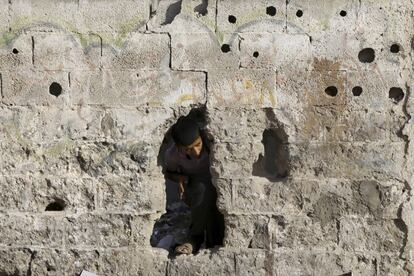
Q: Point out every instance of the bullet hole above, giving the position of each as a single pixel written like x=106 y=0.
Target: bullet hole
x=357 y=90
x=299 y=13
x=395 y=48
x=55 y=206
x=225 y=48
x=232 y=19
x=271 y=11
x=15 y=51
x=343 y=13
x=256 y=54
x=396 y=94
x=331 y=91
x=366 y=55
x=55 y=89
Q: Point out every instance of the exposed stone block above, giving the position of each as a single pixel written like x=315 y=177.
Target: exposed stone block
x=354 y=161
x=369 y=235
x=65 y=262
x=106 y=16
x=98 y=230
x=32 y=230
x=275 y=50
x=252 y=262
x=68 y=194
x=137 y=88
x=14 y=261
x=134 y=261
x=304 y=263
x=202 y=51
x=16 y=52
x=22 y=156
x=133 y=195
x=247 y=231
x=317 y=17
x=246 y=88
x=219 y=262
x=65 y=51
x=236 y=17
x=31 y=87
x=141 y=52
x=303 y=232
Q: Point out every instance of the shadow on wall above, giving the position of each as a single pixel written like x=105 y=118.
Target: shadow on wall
x=274 y=164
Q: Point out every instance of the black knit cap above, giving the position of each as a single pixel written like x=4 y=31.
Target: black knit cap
x=185 y=131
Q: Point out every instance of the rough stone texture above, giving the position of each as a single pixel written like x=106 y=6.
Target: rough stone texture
x=312 y=149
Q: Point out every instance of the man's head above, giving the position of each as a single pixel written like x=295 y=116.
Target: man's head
x=186 y=135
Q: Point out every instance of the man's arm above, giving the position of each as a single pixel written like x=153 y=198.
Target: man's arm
x=172 y=171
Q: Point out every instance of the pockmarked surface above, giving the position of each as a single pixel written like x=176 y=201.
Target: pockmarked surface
x=309 y=107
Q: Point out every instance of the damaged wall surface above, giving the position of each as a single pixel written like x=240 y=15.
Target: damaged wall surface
x=308 y=103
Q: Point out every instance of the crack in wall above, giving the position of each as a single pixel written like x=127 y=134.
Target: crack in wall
x=29 y=270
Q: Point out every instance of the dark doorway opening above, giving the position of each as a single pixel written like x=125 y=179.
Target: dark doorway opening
x=177 y=226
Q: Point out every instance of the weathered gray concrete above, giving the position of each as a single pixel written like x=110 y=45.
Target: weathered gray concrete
x=313 y=176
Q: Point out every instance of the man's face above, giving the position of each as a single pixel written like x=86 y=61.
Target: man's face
x=193 y=150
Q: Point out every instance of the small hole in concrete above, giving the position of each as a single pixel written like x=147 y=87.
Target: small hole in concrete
x=395 y=48
x=15 y=51
x=343 y=13
x=331 y=91
x=232 y=19
x=225 y=48
x=299 y=13
x=271 y=11
x=256 y=54
x=396 y=94
x=357 y=90
x=56 y=206
x=366 y=55
x=55 y=89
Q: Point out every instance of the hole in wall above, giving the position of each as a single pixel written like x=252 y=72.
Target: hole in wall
x=331 y=91
x=57 y=205
x=357 y=91
x=55 y=89
x=196 y=215
x=271 y=10
x=172 y=11
x=396 y=94
x=256 y=54
x=343 y=13
x=299 y=13
x=274 y=164
x=15 y=51
x=202 y=8
x=395 y=48
x=366 y=55
x=232 y=19
x=225 y=48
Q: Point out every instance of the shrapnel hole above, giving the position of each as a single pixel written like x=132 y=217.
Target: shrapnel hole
x=331 y=91
x=55 y=89
x=366 y=55
x=271 y=11
x=396 y=94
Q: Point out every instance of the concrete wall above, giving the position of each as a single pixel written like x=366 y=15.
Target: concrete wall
x=89 y=88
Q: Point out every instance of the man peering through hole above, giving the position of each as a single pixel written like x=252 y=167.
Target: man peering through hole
x=187 y=164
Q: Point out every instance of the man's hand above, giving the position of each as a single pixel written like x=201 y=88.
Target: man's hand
x=181 y=187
